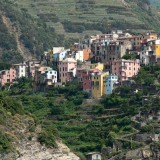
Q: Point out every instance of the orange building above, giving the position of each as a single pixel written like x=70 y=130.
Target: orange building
x=86 y=54
x=153 y=36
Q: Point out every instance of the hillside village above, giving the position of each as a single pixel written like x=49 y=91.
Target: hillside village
x=122 y=125
x=98 y=64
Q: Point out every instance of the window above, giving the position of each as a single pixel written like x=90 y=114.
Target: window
x=50 y=72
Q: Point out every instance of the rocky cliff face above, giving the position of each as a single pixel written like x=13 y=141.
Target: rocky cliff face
x=26 y=146
x=33 y=150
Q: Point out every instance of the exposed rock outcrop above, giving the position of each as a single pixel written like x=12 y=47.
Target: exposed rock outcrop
x=26 y=146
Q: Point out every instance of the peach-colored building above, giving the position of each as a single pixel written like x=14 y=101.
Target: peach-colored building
x=86 y=54
x=7 y=76
x=67 y=69
x=125 y=69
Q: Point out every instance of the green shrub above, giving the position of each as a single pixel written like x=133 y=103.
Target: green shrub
x=5 y=144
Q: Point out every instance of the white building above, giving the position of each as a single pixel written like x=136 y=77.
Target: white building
x=94 y=156
x=50 y=76
x=21 y=70
x=57 y=49
x=148 y=52
x=111 y=80
x=79 y=56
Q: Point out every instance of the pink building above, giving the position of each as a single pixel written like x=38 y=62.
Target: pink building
x=125 y=69
x=67 y=69
x=7 y=76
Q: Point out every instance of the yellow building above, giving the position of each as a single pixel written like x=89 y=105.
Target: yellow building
x=99 y=66
x=99 y=84
x=157 y=48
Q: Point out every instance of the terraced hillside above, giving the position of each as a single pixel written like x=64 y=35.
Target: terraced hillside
x=155 y=2
x=73 y=16
x=86 y=125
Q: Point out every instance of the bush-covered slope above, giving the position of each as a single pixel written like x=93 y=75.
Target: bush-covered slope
x=33 y=34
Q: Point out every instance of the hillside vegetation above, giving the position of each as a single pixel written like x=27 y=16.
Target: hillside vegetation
x=21 y=34
x=72 y=16
x=29 y=27
x=88 y=126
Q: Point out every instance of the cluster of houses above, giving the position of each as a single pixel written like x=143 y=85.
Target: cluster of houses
x=96 y=63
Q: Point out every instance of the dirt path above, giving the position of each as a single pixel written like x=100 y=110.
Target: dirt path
x=15 y=31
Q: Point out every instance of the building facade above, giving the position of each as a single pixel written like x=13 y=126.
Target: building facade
x=111 y=80
x=99 y=66
x=67 y=69
x=125 y=69
x=7 y=76
x=21 y=70
x=99 y=83
x=85 y=79
x=86 y=54
x=50 y=76
x=78 y=56
x=94 y=156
